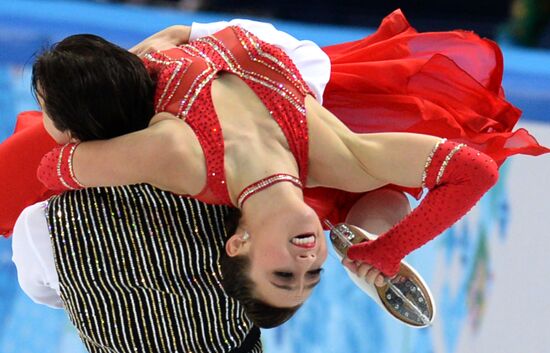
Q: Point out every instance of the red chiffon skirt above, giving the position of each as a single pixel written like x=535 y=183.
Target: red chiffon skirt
x=19 y=158
x=446 y=84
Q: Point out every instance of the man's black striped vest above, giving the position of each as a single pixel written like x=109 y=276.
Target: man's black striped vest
x=139 y=272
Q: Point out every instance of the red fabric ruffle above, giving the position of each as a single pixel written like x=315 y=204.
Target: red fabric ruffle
x=20 y=155
x=445 y=84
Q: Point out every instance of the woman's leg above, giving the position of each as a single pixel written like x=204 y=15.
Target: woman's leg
x=376 y=212
x=379 y=210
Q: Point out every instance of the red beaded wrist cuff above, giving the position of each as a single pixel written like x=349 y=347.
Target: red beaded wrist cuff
x=64 y=168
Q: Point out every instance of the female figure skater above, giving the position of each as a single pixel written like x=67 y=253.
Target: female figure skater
x=278 y=143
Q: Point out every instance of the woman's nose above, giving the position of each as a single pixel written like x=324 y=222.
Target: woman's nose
x=307 y=257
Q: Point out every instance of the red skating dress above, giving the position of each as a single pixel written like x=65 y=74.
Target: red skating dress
x=184 y=79
x=446 y=84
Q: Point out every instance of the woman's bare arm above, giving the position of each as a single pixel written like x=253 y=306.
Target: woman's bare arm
x=345 y=160
x=395 y=158
x=166 y=155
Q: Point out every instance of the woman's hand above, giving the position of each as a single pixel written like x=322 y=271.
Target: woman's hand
x=167 y=38
x=361 y=269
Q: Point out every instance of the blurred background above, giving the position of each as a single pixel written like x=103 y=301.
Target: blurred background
x=489 y=273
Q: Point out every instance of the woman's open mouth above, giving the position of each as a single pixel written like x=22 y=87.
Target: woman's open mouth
x=306 y=241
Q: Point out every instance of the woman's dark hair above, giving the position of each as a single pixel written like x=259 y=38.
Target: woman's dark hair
x=238 y=285
x=93 y=88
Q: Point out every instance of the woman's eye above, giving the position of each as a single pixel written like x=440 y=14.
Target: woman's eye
x=316 y=272
x=284 y=274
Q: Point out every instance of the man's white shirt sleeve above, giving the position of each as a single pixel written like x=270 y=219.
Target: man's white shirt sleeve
x=33 y=257
x=312 y=62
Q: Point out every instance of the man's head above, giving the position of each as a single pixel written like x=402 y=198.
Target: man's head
x=92 y=88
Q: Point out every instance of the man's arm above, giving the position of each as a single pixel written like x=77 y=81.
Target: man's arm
x=34 y=259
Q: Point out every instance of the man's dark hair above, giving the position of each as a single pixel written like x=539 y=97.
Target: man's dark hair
x=93 y=88
x=237 y=284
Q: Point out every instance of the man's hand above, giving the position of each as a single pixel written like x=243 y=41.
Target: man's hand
x=166 y=39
